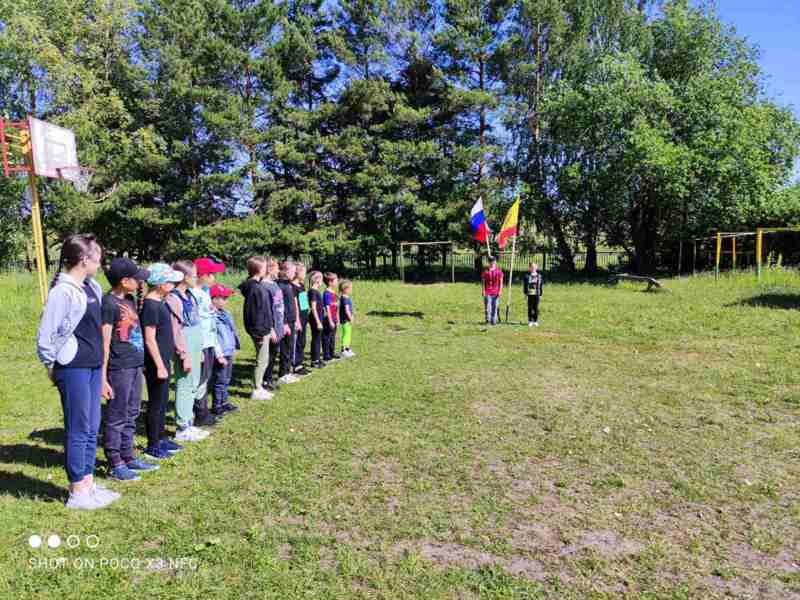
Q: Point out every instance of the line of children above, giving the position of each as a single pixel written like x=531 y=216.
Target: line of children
x=110 y=346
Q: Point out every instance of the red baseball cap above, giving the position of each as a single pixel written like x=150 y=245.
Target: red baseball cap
x=220 y=291
x=208 y=265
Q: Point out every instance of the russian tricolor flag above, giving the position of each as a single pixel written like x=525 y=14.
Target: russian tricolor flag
x=477 y=220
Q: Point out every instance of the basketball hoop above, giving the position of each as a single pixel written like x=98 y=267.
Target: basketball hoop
x=79 y=176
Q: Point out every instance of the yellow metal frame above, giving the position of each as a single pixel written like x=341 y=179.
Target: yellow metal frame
x=759 y=235
x=21 y=143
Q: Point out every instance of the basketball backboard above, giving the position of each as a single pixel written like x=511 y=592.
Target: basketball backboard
x=54 y=149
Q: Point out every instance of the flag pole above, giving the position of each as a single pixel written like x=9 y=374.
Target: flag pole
x=511 y=275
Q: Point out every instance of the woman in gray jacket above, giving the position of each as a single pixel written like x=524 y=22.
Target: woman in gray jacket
x=70 y=344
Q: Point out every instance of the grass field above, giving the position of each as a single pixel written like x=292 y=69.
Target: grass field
x=635 y=445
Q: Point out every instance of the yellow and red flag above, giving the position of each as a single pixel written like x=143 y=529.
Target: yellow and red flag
x=509 y=228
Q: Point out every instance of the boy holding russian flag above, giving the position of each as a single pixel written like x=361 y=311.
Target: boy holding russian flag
x=492 y=289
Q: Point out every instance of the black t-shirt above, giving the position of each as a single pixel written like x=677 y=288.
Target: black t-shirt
x=315 y=297
x=157 y=314
x=89 y=334
x=127 y=340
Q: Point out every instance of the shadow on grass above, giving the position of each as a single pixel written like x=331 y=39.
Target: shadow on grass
x=32 y=455
x=771 y=300
x=53 y=436
x=22 y=486
x=389 y=314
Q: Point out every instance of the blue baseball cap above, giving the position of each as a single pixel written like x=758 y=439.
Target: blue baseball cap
x=161 y=273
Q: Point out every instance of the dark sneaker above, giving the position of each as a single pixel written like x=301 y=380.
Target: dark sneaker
x=123 y=473
x=336 y=357
x=319 y=365
x=302 y=371
x=217 y=411
x=207 y=421
x=137 y=464
x=157 y=454
x=167 y=445
x=271 y=386
x=230 y=408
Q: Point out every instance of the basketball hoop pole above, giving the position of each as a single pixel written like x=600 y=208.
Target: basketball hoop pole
x=36 y=221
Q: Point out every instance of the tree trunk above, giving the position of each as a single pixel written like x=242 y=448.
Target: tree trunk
x=590 y=240
x=644 y=234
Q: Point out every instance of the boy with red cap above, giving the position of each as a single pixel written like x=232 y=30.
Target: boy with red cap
x=207 y=268
x=228 y=342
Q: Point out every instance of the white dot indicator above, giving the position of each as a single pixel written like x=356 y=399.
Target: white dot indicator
x=35 y=541
x=54 y=541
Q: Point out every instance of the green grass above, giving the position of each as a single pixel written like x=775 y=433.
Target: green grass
x=638 y=445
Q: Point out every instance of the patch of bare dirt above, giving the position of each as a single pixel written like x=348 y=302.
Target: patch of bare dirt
x=739 y=587
x=743 y=555
x=285 y=552
x=605 y=543
x=483 y=409
x=448 y=554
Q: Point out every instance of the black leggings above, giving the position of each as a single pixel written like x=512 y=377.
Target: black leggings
x=316 y=342
x=157 y=399
x=287 y=353
x=533 y=308
x=328 y=341
x=300 y=341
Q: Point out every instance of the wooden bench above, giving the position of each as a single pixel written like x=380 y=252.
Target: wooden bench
x=650 y=281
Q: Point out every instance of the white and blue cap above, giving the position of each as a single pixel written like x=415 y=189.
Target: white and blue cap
x=161 y=273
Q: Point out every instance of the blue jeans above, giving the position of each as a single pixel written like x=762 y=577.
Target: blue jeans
x=80 y=398
x=492 y=308
x=220 y=380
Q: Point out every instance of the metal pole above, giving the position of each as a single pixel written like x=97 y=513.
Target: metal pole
x=759 y=250
x=733 y=240
x=36 y=219
x=402 y=264
x=719 y=251
x=452 y=262
x=511 y=276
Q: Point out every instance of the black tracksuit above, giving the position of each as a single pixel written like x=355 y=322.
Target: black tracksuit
x=532 y=286
x=289 y=318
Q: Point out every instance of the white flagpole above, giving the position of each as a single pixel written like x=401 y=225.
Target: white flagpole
x=511 y=275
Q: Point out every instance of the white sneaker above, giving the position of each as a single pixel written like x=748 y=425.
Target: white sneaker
x=536 y=323
x=104 y=494
x=188 y=434
x=261 y=394
x=86 y=501
x=289 y=378
x=348 y=353
x=200 y=434
x=530 y=323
